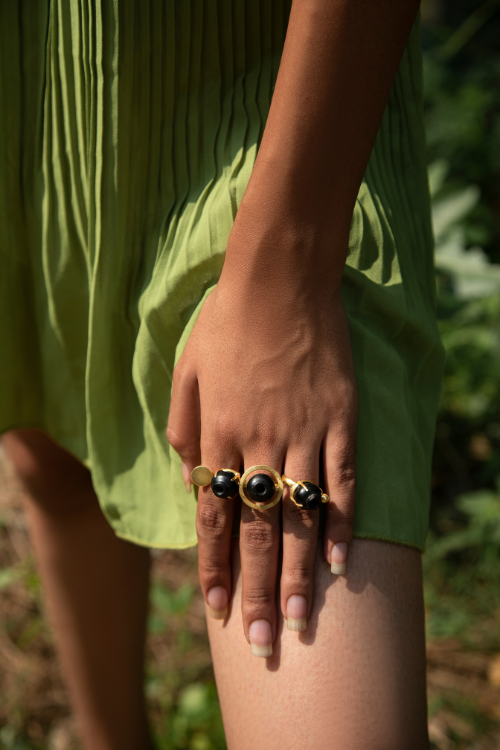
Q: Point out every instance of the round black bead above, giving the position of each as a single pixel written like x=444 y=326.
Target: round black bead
x=260 y=488
x=223 y=485
x=308 y=497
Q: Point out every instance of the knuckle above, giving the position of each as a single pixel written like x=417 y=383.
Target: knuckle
x=298 y=516
x=344 y=474
x=222 y=427
x=263 y=437
x=176 y=441
x=186 y=448
x=343 y=517
x=179 y=375
x=297 y=576
x=216 y=440
x=257 y=536
x=211 y=571
x=258 y=598
x=210 y=521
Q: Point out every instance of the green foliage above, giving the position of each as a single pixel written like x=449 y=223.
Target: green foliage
x=462 y=571
x=9 y=740
x=165 y=604
x=468 y=307
x=185 y=697
x=462 y=105
x=462 y=563
x=8 y=576
x=196 y=722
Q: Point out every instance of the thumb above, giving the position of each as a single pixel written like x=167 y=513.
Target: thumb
x=183 y=430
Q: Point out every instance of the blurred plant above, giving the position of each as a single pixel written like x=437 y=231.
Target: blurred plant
x=468 y=285
x=166 y=603
x=470 y=269
x=468 y=307
x=197 y=723
x=480 y=535
x=462 y=105
x=9 y=740
x=462 y=571
x=462 y=562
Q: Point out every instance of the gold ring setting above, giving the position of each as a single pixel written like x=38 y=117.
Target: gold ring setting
x=224 y=484
x=259 y=491
x=305 y=494
x=260 y=487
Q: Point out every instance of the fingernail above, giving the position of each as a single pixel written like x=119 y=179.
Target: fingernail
x=187 y=477
x=339 y=557
x=296 y=613
x=217 y=601
x=261 y=637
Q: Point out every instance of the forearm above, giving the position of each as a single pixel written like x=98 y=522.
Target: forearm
x=338 y=66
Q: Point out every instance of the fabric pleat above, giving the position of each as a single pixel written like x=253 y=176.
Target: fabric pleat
x=128 y=132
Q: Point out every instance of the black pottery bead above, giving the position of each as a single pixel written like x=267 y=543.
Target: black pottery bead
x=260 y=488
x=308 y=497
x=223 y=485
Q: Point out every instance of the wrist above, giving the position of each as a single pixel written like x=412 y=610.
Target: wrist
x=283 y=229
x=270 y=252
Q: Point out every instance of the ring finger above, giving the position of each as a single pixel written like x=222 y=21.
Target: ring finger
x=300 y=535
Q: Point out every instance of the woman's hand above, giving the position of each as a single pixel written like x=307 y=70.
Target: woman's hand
x=267 y=378
x=267 y=374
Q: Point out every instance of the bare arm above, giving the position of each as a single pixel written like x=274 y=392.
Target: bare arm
x=339 y=62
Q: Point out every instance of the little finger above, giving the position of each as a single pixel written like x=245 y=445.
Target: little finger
x=340 y=477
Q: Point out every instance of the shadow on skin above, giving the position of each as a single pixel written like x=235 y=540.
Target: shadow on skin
x=358 y=578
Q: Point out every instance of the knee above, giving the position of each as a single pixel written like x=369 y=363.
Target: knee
x=49 y=475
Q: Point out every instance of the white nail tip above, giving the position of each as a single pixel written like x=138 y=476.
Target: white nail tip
x=218 y=614
x=338 y=569
x=296 y=625
x=262 y=651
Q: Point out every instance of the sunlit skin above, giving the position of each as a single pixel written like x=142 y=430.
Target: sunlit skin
x=353 y=676
x=285 y=389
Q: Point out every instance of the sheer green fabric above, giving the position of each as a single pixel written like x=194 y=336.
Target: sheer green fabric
x=128 y=131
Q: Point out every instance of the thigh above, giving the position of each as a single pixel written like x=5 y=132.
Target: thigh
x=51 y=476
x=355 y=679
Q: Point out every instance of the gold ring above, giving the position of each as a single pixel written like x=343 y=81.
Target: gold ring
x=278 y=487
x=295 y=488
x=224 y=484
x=201 y=476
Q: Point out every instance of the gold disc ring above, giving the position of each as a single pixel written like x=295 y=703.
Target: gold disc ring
x=278 y=488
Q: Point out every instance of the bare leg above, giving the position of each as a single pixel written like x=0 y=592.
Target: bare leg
x=355 y=679
x=97 y=591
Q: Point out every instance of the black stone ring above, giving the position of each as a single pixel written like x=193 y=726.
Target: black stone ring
x=224 y=484
x=261 y=492
x=305 y=494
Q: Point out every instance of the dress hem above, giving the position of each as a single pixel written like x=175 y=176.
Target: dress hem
x=42 y=428
x=188 y=545
x=393 y=540
x=142 y=543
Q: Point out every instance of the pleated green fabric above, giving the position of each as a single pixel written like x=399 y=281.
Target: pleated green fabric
x=128 y=132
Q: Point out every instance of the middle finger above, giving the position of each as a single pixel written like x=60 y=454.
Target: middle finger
x=260 y=532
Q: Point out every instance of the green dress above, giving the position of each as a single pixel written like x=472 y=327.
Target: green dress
x=128 y=132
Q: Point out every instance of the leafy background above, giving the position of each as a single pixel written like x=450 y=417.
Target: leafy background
x=462 y=563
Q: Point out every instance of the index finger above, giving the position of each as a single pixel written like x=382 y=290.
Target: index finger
x=214 y=524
